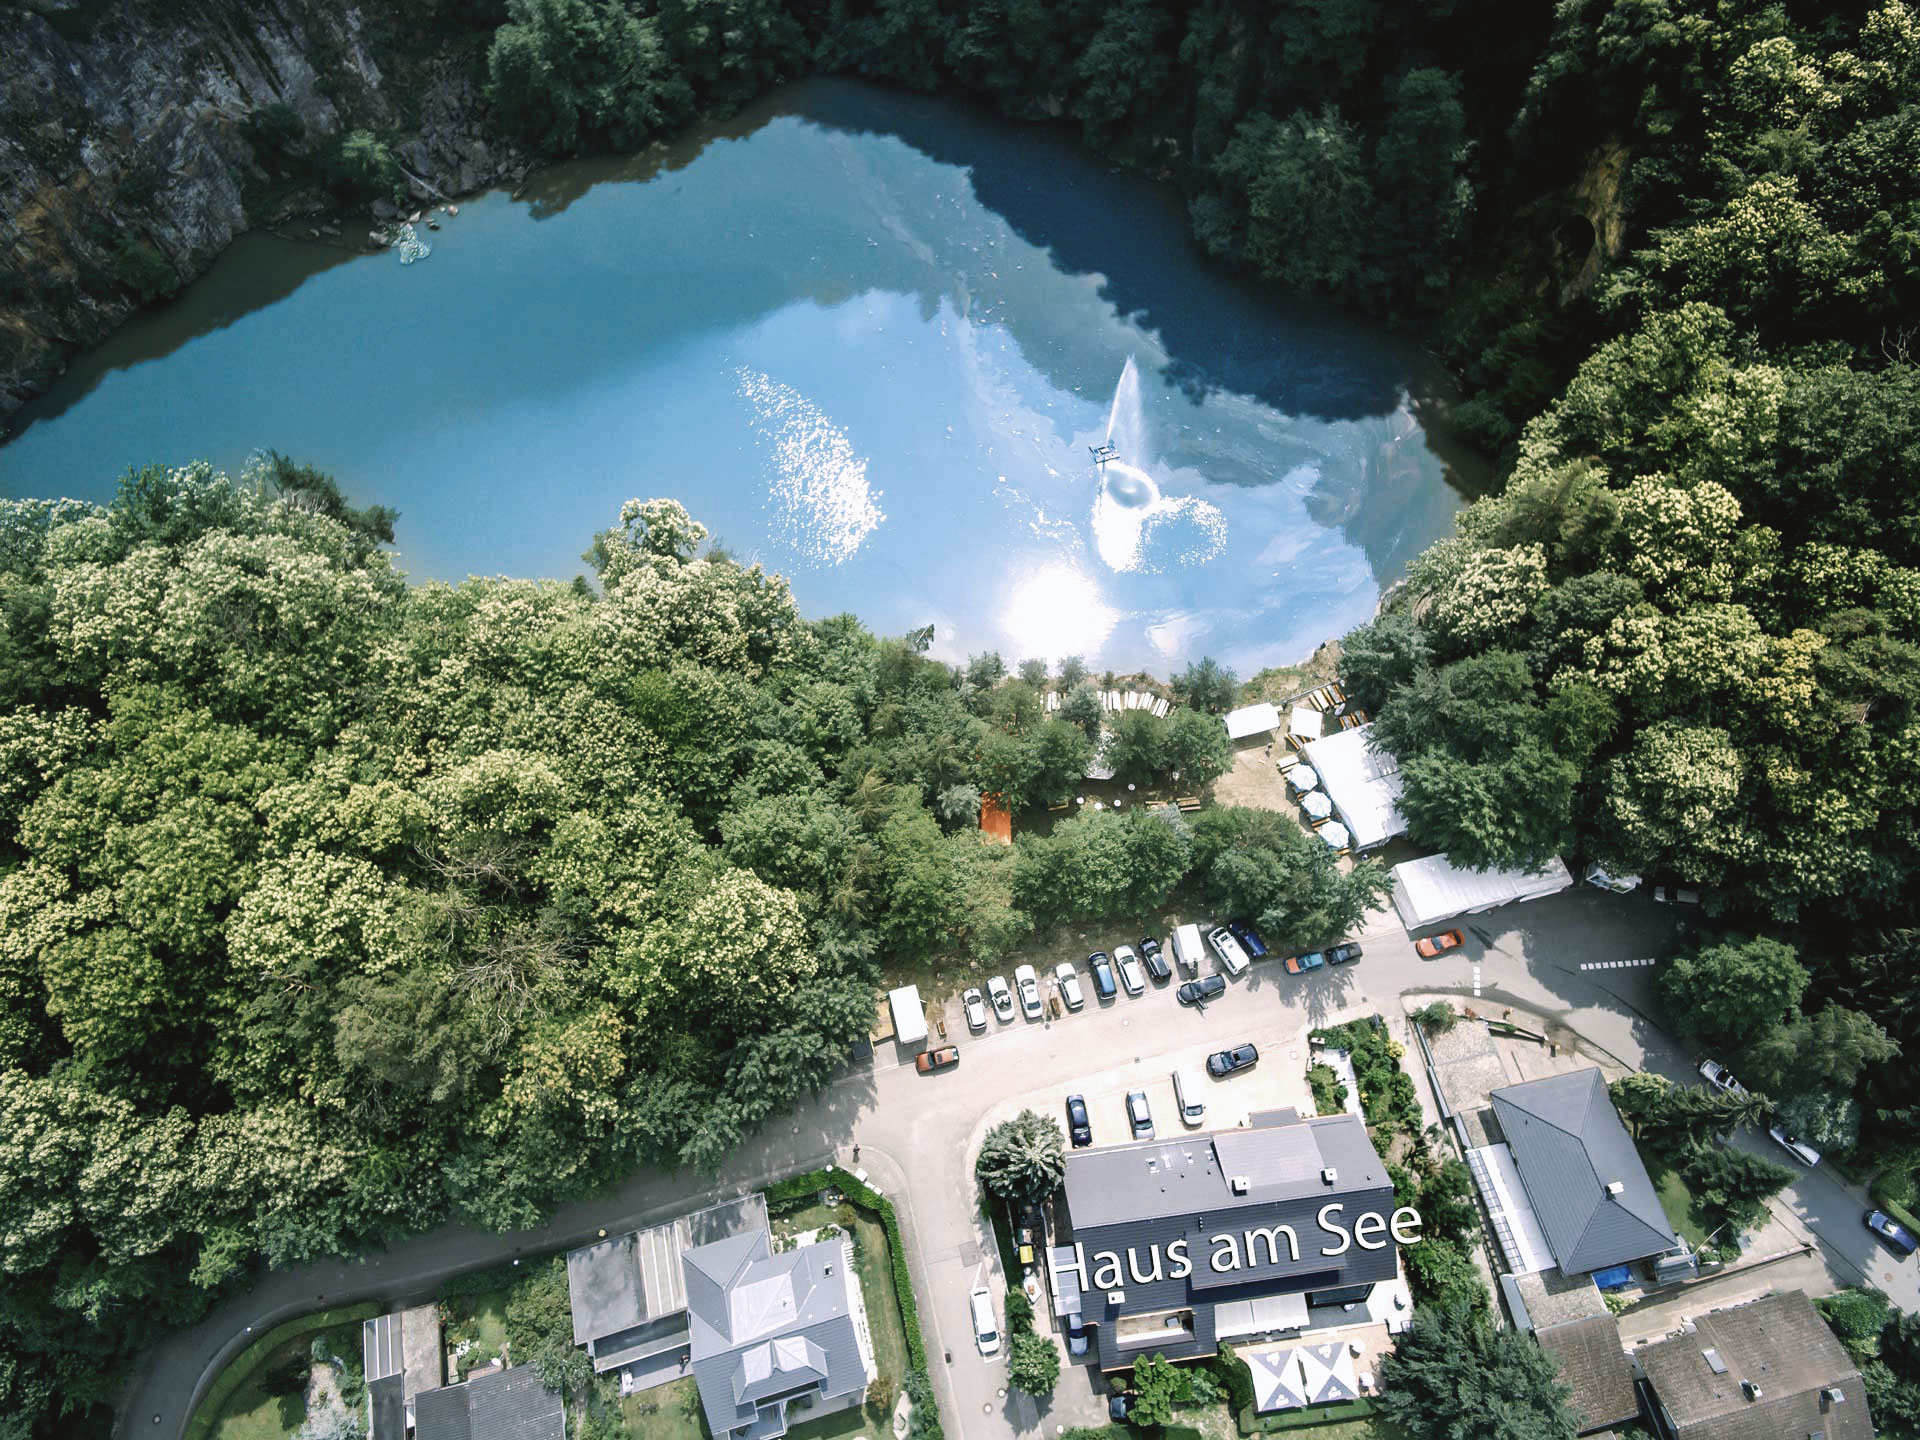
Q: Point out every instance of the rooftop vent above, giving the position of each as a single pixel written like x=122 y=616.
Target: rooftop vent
x=1616 y=1188
x=1116 y=1297
x=826 y=1270
x=1329 y=1175
x=1750 y=1390
x=1241 y=1184
x=1714 y=1362
x=1834 y=1395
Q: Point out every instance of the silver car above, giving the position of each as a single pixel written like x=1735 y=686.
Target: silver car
x=1069 y=980
x=976 y=1008
x=1000 y=997
x=1028 y=984
x=1132 y=977
x=1139 y=1117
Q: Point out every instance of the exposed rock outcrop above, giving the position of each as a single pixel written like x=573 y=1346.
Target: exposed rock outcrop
x=127 y=152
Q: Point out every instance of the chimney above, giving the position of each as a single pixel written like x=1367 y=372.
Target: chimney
x=1241 y=1184
x=1832 y=1395
x=1750 y=1390
x=1329 y=1175
x=1616 y=1189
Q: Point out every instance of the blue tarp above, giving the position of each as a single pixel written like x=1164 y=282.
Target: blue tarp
x=1613 y=1279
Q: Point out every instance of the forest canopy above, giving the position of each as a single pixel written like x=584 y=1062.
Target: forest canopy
x=332 y=908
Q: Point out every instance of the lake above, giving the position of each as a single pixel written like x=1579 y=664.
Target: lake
x=871 y=339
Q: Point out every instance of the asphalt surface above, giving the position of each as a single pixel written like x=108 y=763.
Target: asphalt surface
x=1568 y=958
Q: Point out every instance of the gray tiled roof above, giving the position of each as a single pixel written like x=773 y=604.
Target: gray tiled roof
x=766 y=1326
x=1594 y=1365
x=1568 y=1143
x=388 y=1408
x=630 y=1282
x=1782 y=1346
x=505 y=1405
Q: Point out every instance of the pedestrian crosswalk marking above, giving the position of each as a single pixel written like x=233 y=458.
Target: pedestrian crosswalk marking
x=1476 y=982
x=1619 y=964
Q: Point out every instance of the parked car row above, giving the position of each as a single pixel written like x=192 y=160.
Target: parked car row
x=1127 y=968
x=1187 y=1097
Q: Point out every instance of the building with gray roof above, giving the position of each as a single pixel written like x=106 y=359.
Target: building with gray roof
x=628 y=1293
x=401 y=1356
x=508 y=1404
x=1582 y=1173
x=1766 y=1370
x=1174 y=1245
x=771 y=1333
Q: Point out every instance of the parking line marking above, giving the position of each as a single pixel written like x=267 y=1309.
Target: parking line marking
x=1476 y=981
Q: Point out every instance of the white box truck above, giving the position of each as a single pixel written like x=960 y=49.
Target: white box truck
x=909 y=1015
x=1187 y=949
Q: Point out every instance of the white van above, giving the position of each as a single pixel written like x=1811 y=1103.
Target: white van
x=1187 y=948
x=986 y=1327
x=1187 y=1096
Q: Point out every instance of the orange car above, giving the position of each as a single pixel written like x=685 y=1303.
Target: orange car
x=1435 y=946
x=928 y=1061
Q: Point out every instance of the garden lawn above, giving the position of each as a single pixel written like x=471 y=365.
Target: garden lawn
x=1675 y=1199
x=476 y=1309
x=841 y=1426
x=668 y=1412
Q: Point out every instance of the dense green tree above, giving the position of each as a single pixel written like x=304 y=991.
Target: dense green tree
x=568 y=73
x=1454 y=1376
x=1024 y=1158
x=1158 y=1386
x=1206 y=685
x=1107 y=863
x=1734 y=991
x=1033 y=1363
x=1733 y=1183
x=1195 y=748
x=1261 y=866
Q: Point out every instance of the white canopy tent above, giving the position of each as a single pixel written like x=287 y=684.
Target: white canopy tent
x=1433 y=889
x=1306 y=722
x=1251 y=720
x=1363 y=783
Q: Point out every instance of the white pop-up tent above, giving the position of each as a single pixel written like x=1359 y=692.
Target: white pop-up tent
x=1430 y=890
x=909 y=1015
x=1251 y=720
x=1363 y=783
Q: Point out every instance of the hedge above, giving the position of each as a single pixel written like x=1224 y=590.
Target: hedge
x=240 y=1369
x=796 y=1192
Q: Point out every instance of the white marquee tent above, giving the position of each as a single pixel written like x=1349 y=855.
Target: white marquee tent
x=1430 y=890
x=1363 y=783
x=1251 y=720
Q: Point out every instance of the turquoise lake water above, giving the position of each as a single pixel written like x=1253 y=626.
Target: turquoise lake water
x=867 y=338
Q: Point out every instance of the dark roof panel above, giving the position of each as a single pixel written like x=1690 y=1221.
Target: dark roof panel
x=1569 y=1145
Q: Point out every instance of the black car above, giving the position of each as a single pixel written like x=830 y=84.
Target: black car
x=1225 y=1062
x=1102 y=970
x=1077 y=1124
x=1198 y=992
x=1343 y=954
x=1249 y=939
x=1155 y=962
x=1120 y=1406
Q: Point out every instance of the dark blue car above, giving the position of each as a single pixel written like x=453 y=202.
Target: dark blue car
x=1249 y=939
x=1103 y=981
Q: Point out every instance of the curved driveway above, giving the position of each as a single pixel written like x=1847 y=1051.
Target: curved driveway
x=1559 y=957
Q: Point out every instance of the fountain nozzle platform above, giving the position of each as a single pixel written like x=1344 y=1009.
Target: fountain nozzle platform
x=1102 y=454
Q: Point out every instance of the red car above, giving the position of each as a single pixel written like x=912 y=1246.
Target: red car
x=928 y=1061
x=1435 y=946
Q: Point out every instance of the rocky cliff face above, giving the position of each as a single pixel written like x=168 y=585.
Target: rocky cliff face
x=126 y=157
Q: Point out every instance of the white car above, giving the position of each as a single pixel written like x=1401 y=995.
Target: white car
x=976 y=1008
x=1795 y=1147
x=1132 y=977
x=1070 y=990
x=1721 y=1078
x=986 y=1327
x=1001 y=997
x=1232 y=958
x=1025 y=981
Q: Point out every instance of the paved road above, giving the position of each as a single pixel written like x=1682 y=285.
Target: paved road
x=918 y=1134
